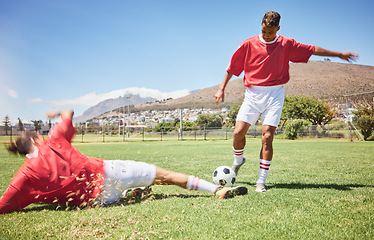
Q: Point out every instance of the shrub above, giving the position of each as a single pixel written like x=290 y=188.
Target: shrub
x=366 y=124
x=164 y=127
x=337 y=135
x=293 y=128
x=209 y=120
x=337 y=126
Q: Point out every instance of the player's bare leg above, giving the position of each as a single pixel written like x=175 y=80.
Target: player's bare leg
x=239 y=142
x=266 y=155
x=240 y=130
x=267 y=142
x=166 y=177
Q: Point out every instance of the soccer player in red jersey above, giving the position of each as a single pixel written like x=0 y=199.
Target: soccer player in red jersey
x=56 y=172
x=265 y=61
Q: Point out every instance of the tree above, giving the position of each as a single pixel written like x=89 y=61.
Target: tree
x=364 y=109
x=231 y=116
x=37 y=125
x=365 y=115
x=20 y=125
x=176 y=122
x=366 y=124
x=308 y=108
x=6 y=124
x=187 y=125
x=164 y=127
x=209 y=120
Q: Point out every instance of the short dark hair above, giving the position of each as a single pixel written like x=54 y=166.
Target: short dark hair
x=271 y=19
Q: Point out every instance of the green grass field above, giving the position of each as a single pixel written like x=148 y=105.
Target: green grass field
x=317 y=189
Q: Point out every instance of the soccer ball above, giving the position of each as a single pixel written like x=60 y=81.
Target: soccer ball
x=224 y=176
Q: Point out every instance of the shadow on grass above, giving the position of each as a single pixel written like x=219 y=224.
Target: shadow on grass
x=122 y=202
x=343 y=187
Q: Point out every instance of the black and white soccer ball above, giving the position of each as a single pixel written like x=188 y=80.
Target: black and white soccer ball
x=224 y=176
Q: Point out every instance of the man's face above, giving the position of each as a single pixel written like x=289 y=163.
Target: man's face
x=269 y=33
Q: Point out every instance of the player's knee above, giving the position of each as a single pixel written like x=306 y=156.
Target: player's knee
x=165 y=178
x=267 y=138
x=239 y=133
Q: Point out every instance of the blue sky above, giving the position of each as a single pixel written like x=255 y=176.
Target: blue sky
x=58 y=54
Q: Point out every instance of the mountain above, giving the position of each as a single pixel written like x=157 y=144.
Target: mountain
x=324 y=80
x=111 y=104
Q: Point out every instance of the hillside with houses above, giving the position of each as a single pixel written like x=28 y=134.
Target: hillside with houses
x=336 y=83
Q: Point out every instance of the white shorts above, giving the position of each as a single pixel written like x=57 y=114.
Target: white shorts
x=121 y=175
x=266 y=102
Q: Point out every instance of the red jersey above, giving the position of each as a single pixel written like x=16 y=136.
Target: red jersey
x=55 y=173
x=267 y=64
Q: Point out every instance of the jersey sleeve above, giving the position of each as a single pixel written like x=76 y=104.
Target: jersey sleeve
x=64 y=129
x=236 y=66
x=16 y=196
x=300 y=52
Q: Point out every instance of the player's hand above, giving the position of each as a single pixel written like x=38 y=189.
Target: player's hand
x=348 y=56
x=219 y=95
x=51 y=114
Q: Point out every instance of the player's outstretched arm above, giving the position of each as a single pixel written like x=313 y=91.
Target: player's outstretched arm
x=347 y=56
x=221 y=90
x=65 y=127
x=64 y=113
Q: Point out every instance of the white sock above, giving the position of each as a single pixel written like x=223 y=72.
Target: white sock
x=195 y=183
x=238 y=156
x=264 y=169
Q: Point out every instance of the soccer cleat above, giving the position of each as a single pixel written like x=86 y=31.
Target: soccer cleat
x=137 y=193
x=225 y=192
x=236 y=167
x=260 y=187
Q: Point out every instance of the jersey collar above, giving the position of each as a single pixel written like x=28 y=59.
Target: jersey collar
x=34 y=154
x=262 y=40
